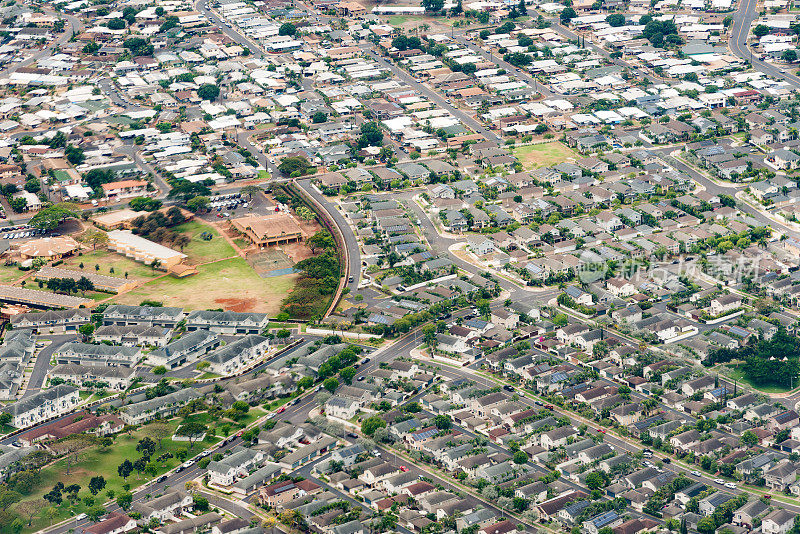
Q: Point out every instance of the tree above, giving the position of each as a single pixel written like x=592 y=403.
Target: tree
x=520 y=457
x=116 y=24
x=595 y=480
x=95 y=513
x=208 y=91
x=50 y=218
x=749 y=438
x=433 y=6
x=567 y=14
x=371 y=424
x=330 y=384
x=125 y=469
x=347 y=374
x=789 y=56
x=124 y=500
x=86 y=330
x=443 y=422
x=83 y=285
x=616 y=20
x=319 y=117
x=198 y=203
x=287 y=28
x=200 y=503
x=706 y=525
x=28 y=509
x=292 y=164
x=192 y=430
x=761 y=30
x=96 y=484
x=74 y=154
x=18 y=204
x=158 y=431
x=146 y=446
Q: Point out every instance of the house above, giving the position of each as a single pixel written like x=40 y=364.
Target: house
x=234 y=356
x=714 y=501
x=620 y=287
x=239 y=463
x=227 y=322
x=113 y=523
x=781 y=475
x=169 y=506
x=52 y=321
x=287 y=490
x=779 y=521
x=724 y=304
x=180 y=352
x=124 y=315
x=116 y=378
x=147 y=410
x=43 y=405
x=76 y=353
x=342 y=408
x=189 y=526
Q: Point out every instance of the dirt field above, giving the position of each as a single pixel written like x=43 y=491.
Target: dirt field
x=214 y=286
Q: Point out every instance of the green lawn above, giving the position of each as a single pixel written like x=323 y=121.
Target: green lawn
x=200 y=251
x=106 y=261
x=738 y=374
x=9 y=275
x=543 y=155
x=230 y=284
x=399 y=20
x=97 y=461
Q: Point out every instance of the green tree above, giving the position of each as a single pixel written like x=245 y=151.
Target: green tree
x=749 y=438
x=347 y=374
x=761 y=30
x=616 y=20
x=567 y=14
x=433 y=6
x=208 y=91
x=371 y=424
x=124 y=500
x=330 y=384
x=520 y=457
x=192 y=430
x=287 y=28
x=96 y=484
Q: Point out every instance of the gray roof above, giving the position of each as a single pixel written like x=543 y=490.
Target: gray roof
x=27 y=404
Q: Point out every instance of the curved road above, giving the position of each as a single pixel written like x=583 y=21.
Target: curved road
x=737 y=42
x=350 y=241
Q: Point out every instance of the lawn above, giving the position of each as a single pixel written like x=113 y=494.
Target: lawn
x=9 y=275
x=106 y=261
x=399 y=20
x=738 y=375
x=543 y=155
x=231 y=284
x=199 y=250
x=101 y=461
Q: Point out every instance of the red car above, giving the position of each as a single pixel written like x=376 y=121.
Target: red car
x=404 y=469
x=601 y=430
x=548 y=406
x=239 y=433
x=283 y=409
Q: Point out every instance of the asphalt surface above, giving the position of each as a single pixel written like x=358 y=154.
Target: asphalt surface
x=740 y=30
x=350 y=240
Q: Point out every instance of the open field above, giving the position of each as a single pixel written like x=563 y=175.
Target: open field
x=543 y=155
x=200 y=251
x=230 y=284
x=103 y=461
x=108 y=260
x=9 y=275
x=739 y=376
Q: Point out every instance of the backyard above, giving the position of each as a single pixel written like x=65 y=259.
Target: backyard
x=230 y=284
x=543 y=155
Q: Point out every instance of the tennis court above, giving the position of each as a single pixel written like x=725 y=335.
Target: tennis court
x=270 y=262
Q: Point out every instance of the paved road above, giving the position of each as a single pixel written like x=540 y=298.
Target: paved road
x=742 y=20
x=42 y=364
x=432 y=95
x=351 y=243
x=73 y=27
x=217 y=21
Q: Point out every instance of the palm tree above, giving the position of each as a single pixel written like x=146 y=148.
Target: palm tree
x=155 y=265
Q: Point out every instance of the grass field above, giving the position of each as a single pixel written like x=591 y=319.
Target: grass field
x=108 y=260
x=9 y=275
x=543 y=155
x=738 y=375
x=99 y=461
x=230 y=284
x=200 y=251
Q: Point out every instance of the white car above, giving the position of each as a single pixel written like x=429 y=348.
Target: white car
x=80 y=517
x=719 y=481
x=696 y=473
x=730 y=485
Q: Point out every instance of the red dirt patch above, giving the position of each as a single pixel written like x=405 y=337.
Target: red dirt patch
x=237 y=305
